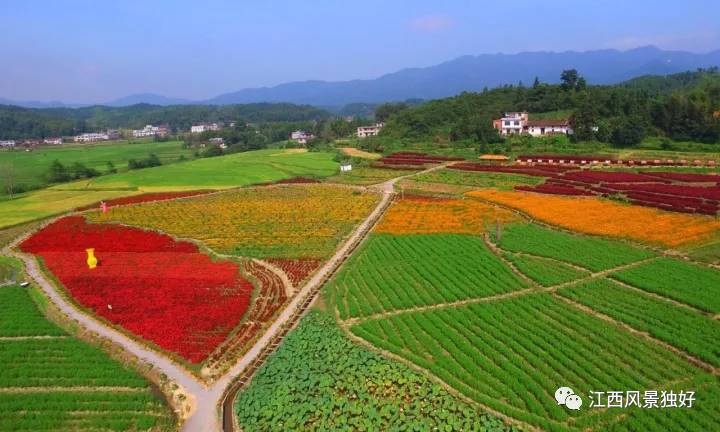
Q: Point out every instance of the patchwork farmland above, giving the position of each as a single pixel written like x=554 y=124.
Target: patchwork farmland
x=461 y=308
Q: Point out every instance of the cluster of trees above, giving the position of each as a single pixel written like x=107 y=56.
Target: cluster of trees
x=58 y=172
x=680 y=107
x=151 y=161
x=18 y=123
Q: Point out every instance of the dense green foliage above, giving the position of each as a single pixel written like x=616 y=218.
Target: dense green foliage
x=399 y=272
x=695 y=285
x=545 y=271
x=16 y=122
x=320 y=380
x=593 y=253
x=624 y=114
x=690 y=331
x=60 y=364
x=512 y=354
x=501 y=181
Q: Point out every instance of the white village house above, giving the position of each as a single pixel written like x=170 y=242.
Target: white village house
x=301 y=137
x=53 y=140
x=91 y=137
x=204 y=127
x=515 y=123
x=367 y=131
x=150 y=130
x=7 y=143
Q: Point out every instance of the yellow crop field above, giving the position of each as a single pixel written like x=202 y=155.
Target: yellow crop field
x=293 y=221
x=423 y=215
x=603 y=217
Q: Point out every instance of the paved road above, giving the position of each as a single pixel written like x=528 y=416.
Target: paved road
x=205 y=417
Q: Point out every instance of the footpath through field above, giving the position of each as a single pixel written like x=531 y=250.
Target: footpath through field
x=205 y=416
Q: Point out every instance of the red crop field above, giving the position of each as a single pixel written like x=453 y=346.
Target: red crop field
x=148 y=197
x=162 y=290
x=297 y=270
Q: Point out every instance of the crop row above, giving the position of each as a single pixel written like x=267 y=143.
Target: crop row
x=595 y=254
x=537 y=170
x=164 y=291
x=511 y=355
x=96 y=411
x=320 y=380
x=291 y=221
x=148 y=197
x=690 y=331
x=297 y=270
x=544 y=271
x=19 y=316
x=693 y=284
x=609 y=160
x=399 y=272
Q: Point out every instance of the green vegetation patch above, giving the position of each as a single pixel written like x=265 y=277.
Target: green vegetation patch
x=690 y=331
x=19 y=316
x=367 y=176
x=546 y=272
x=501 y=181
x=593 y=253
x=400 y=272
x=511 y=355
x=319 y=380
x=693 y=284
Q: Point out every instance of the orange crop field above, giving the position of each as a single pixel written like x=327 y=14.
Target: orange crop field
x=608 y=218
x=424 y=215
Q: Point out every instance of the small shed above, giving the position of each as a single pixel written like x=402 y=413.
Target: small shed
x=345 y=167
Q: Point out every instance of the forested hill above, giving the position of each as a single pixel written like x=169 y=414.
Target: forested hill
x=681 y=106
x=17 y=122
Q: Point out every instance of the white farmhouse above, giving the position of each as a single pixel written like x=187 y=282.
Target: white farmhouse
x=7 y=143
x=52 y=140
x=512 y=123
x=367 y=131
x=91 y=137
x=301 y=137
x=204 y=127
x=150 y=130
x=549 y=127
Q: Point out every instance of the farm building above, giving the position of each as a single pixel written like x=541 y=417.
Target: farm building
x=7 y=143
x=366 y=131
x=53 y=140
x=204 y=127
x=301 y=137
x=515 y=123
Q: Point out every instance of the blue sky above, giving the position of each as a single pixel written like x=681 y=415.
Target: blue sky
x=98 y=50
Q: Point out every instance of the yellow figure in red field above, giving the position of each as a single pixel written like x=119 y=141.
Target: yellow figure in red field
x=91 y=260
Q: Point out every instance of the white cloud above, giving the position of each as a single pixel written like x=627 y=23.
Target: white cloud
x=431 y=23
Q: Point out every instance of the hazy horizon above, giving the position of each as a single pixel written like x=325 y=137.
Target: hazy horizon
x=77 y=51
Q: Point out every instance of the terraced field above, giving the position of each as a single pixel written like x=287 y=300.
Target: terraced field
x=399 y=272
x=51 y=381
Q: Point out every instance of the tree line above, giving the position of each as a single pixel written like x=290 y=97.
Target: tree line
x=682 y=107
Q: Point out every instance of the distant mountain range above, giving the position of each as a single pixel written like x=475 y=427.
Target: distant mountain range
x=468 y=73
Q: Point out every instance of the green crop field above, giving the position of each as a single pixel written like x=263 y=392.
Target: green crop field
x=367 y=176
x=30 y=168
x=221 y=172
x=320 y=380
x=512 y=354
x=546 y=272
x=399 y=272
x=688 y=330
x=478 y=179
x=593 y=253
x=688 y=283
x=50 y=381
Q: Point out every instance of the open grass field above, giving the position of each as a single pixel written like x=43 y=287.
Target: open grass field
x=399 y=272
x=289 y=221
x=502 y=181
x=50 y=381
x=222 y=172
x=366 y=175
x=31 y=167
